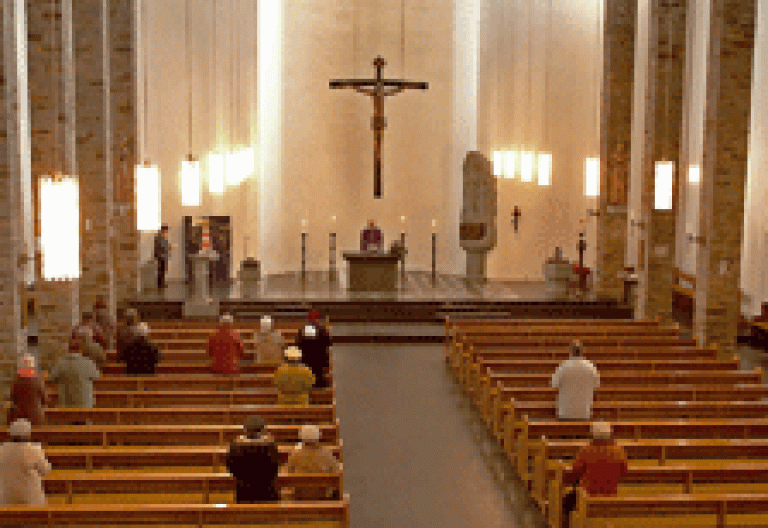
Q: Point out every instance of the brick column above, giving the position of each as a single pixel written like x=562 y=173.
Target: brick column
x=52 y=150
x=620 y=28
x=125 y=243
x=15 y=187
x=724 y=170
x=92 y=34
x=663 y=132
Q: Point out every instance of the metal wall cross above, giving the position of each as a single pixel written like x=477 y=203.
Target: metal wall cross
x=378 y=89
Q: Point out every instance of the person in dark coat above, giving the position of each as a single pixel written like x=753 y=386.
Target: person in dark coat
x=254 y=461
x=27 y=394
x=162 y=253
x=141 y=355
x=315 y=344
x=126 y=330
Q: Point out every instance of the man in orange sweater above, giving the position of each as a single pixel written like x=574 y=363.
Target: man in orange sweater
x=597 y=468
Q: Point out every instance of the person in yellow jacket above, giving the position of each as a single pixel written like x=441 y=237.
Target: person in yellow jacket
x=293 y=379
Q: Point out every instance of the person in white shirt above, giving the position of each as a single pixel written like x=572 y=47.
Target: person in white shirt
x=575 y=380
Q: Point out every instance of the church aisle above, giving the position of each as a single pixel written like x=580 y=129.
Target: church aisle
x=415 y=454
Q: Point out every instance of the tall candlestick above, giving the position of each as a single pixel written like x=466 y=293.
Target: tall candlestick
x=434 y=255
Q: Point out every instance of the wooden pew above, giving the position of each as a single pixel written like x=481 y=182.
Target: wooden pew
x=189 y=398
x=502 y=402
x=708 y=453
x=154 y=435
x=468 y=354
x=88 y=458
x=177 y=382
x=493 y=385
x=618 y=410
x=546 y=453
x=454 y=327
x=481 y=371
x=194 y=367
x=684 y=476
x=519 y=449
x=661 y=507
x=178 y=514
x=171 y=483
x=273 y=414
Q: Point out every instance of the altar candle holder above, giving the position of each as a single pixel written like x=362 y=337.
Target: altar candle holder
x=434 y=253
x=303 y=250
x=332 y=252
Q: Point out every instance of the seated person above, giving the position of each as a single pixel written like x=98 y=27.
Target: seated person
x=269 y=343
x=371 y=239
x=575 y=380
x=22 y=466
x=311 y=457
x=315 y=345
x=597 y=468
x=126 y=329
x=82 y=341
x=225 y=347
x=74 y=375
x=104 y=320
x=293 y=379
x=141 y=355
x=253 y=460
x=27 y=394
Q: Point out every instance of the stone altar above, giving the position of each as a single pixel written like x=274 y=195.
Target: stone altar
x=557 y=273
x=201 y=304
x=477 y=224
x=372 y=271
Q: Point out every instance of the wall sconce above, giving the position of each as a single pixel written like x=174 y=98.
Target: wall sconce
x=663 y=191
x=60 y=227
x=592 y=177
x=147 y=197
x=190 y=181
x=545 y=169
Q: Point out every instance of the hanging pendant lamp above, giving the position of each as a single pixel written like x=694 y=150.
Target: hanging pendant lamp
x=147 y=174
x=190 y=167
x=58 y=200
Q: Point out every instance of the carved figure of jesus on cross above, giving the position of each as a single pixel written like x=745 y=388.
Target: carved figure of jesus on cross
x=378 y=89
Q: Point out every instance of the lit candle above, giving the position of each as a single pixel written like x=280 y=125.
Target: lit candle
x=206 y=235
x=434 y=225
x=303 y=226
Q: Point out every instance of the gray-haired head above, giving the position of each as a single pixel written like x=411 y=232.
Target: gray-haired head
x=142 y=329
x=27 y=360
x=21 y=428
x=577 y=349
x=227 y=319
x=601 y=430
x=266 y=323
x=254 y=426
x=309 y=434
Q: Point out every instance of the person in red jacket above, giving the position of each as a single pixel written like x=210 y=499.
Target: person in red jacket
x=225 y=348
x=27 y=394
x=598 y=468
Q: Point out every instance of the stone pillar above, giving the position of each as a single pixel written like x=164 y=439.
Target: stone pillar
x=724 y=170
x=51 y=94
x=125 y=243
x=620 y=29
x=15 y=187
x=92 y=33
x=663 y=132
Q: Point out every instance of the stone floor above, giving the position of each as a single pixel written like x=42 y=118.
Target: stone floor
x=416 y=285
x=415 y=453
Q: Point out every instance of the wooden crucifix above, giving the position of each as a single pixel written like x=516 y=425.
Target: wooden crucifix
x=378 y=89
